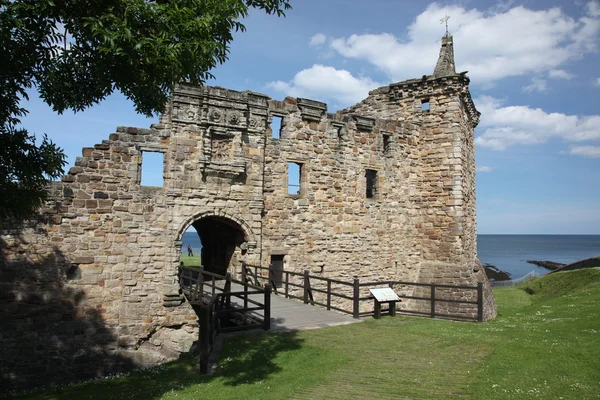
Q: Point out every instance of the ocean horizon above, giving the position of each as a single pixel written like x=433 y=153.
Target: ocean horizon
x=508 y=252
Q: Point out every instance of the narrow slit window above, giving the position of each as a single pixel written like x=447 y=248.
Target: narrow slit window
x=371 y=176
x=340 y=133
x=294 y=178
x=276 y=125
x=152 y=169
x=387 y=141
x=425 y=105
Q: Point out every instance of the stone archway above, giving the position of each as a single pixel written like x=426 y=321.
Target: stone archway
x=224 y=238
x=219 y=237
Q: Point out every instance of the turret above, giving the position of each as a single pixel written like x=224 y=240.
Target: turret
x=445 y=64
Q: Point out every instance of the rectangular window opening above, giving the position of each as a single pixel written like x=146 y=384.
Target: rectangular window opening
x=294 y=178
x=425 y=105
x=387 y=140
x=152 y=169
x=276 y=125
x=340 y=133
x=276 y=270
x=371 y=183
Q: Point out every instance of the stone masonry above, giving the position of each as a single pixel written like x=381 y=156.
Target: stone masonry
x=386 y=192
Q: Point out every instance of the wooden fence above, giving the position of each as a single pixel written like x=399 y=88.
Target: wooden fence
x=331 y=289
x=220 y=309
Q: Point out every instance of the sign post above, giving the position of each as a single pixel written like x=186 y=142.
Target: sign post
x=385 y=295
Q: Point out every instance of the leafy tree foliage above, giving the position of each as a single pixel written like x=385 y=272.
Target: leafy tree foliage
x=78 y=52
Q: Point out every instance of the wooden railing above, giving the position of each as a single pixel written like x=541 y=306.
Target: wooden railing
x=213 y=304
x=309 y=285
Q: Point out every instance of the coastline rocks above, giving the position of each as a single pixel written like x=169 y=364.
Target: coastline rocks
x=551 y=265
x=495 y=273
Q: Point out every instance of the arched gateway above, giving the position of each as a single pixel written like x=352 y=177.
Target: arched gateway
x=224 y=238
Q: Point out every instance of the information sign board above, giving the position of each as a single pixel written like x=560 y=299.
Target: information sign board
x=384 y=294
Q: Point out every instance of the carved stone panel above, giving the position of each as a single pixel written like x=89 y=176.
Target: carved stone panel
x=222 y=148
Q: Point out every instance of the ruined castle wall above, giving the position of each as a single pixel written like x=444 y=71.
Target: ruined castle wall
x=101 y=264
x=331 y=227
x=93 y=286
x=98 y=253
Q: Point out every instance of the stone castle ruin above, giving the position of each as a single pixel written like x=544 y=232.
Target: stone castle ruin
x=386 y=191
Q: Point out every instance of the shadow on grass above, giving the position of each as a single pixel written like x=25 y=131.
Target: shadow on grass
x=251 y=358
x=246 y=358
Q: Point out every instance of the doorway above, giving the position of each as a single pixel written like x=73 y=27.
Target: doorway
x=277 y=270
x=219 y=237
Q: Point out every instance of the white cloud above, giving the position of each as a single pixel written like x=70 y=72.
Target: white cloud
x=323 y=82
x=318 y=39
x=593 y=9
x=597 y=82
x=537 y=84
x=491 y=45
x=484 y=168
x=560 y=74
x=521 y=125
x=586 y=151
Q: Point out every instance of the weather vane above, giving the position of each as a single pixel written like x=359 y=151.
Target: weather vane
x=445 y=19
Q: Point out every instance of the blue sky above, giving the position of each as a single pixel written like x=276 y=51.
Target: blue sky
x=535 y=76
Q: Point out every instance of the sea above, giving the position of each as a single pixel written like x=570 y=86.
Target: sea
x=511 y=252
x=508 y=252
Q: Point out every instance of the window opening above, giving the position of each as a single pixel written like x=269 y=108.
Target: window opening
x=386 y=143
x=425 y=105
x=294 y=178
x=74 y=273
x=340 y=134
x=276 y=125
x=371 y=183
x=152 y=169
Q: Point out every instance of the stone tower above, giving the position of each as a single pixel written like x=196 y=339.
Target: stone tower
x=438 y=111
x=384 y=190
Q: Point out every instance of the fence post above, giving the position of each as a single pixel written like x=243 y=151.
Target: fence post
x=480 y=302
x=204 y=333
x=245 y=296
x=287 y=284
x=267 y=311
x=243 y=271
x=197 y=296
x=305 y=285
x=227 y=290
x=355 y=298
x=328 y=294
x=432 y=301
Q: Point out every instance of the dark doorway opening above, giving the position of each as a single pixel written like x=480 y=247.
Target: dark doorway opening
x=277 y=270
x=220 y=237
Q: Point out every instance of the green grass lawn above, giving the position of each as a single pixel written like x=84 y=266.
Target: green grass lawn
x=544 y=344
x=190 y=261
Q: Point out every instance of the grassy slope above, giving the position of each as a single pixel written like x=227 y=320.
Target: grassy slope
x=190 y=261
x=545 y=345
